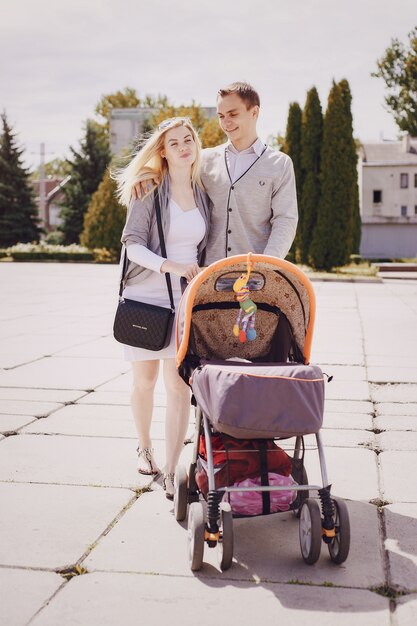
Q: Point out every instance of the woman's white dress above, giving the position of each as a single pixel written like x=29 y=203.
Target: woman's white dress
x=186 y=230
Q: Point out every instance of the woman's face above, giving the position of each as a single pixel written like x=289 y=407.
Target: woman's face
x=179 y=148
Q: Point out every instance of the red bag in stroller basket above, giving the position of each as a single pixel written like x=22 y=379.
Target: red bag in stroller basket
x=235 y=460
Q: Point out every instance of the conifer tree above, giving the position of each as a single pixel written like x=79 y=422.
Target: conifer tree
x=104 y=219
x=311 y=141
x=292 y=147
x=87 y=168
x=352 y=160
x=332 y=234
x=18 y=212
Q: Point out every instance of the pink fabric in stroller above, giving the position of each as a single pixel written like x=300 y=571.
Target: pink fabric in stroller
x=250 y=502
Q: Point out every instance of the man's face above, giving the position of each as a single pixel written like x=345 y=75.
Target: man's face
x=238 y=122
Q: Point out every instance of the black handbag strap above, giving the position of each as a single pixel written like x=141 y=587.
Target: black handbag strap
x=163 y=251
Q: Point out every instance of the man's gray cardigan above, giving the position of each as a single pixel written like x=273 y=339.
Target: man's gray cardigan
x=141 y=226
x=257 y=213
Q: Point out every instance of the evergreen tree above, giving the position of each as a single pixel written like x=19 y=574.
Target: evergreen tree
x=292 y=147
x=104 y=219
x=332 y=234
x=18 y=211
x=352 y=164
x=86 y=168
x=311 y=141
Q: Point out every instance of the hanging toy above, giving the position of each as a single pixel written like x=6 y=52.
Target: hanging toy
x=244 y=327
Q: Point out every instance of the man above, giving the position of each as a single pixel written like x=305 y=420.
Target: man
x=251 y=186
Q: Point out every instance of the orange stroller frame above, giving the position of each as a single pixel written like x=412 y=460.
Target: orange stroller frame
x=203 y=334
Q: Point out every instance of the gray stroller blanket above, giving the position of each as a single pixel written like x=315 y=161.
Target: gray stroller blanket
x=251 y=400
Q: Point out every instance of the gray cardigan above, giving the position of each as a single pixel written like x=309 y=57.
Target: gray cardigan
x=257 y=213
x=141 y=227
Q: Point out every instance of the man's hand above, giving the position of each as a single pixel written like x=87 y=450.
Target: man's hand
x=141 y=189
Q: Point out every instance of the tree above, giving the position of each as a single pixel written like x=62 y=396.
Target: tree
x=126 y=99
x=18 y=212
x=332 y=235
x=208 y=130
x=398 y=68
x=56 y=168
x=104 y=219
x=355 y=225
x=292 y=147
x=311 y=142
x=86 y=168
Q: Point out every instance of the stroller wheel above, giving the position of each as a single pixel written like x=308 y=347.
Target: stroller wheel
x=225 y=544
x=196 y=535
x=310 y=531
x=339 y=548
x=180 y=493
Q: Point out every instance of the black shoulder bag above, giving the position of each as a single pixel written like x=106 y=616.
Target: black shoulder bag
x=145 y=325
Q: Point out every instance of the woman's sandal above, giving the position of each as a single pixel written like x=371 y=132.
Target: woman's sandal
x=168 y=484
x=147 y=455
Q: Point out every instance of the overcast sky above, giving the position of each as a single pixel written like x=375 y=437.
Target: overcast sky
x=58 y=58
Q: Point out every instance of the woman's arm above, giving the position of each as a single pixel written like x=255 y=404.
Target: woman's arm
x=141 y=255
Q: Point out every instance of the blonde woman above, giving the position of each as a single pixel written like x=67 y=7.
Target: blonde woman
x=170 y=156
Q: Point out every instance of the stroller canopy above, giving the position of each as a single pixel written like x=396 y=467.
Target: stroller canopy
x=208 y=308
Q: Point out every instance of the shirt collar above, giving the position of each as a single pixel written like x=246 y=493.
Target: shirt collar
x=257 y=147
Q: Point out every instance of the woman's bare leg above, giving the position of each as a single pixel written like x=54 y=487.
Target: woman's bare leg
x=145 y=375
x=177 y=414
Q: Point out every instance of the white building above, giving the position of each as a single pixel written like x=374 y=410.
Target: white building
x=126 y=125
x=388 y=198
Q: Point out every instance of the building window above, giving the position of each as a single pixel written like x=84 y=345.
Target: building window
x=403 y=211
x=377 y=196
x=404 y=181
x=415 y=209
x=415 y=180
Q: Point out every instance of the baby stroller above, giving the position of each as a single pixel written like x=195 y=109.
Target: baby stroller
x=244 y=334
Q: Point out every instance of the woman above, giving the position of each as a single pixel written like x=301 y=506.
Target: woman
x=172 y=156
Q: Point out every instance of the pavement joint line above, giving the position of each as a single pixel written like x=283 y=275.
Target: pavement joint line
x=14 y=367
x=47 y=601
x=55 y=484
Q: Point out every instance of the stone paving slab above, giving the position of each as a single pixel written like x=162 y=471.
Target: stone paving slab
x=330 y=357
x=399 y=422
x=390 y=409
x=401 y=544
x=392 y=374
x=394 y=393
x=344 y=372
x=348 y=406
x=33 y=586
x=397 y=440
x=361 y=421
x=118 y=398
x=66 y=460
x=406 y=611
x=24 y=407
x=41 y=395
x=266 y=548
x=64 y=373
x=97 y=421
x=105 y=348
x=97 y=598
x=12 y=423
x=50 y=526
x=347 y=390
x=398 y=476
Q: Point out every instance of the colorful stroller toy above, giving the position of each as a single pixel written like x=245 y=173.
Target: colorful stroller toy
x=251 y=391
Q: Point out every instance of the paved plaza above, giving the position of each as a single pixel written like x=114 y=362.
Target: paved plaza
x=85 y=540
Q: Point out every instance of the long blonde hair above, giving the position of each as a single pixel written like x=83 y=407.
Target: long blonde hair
x=148 y=165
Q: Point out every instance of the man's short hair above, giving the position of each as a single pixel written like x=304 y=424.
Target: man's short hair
x=245 y=92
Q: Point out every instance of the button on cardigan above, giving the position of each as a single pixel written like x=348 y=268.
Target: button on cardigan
x=257 y=213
